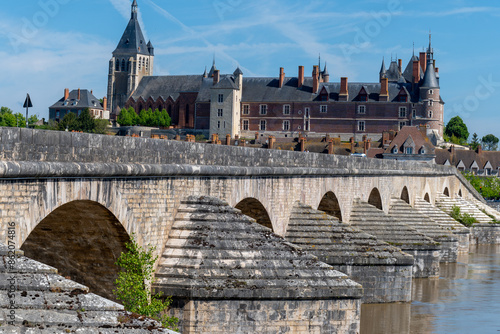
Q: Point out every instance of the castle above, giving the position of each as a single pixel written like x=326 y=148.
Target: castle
x=281 y=106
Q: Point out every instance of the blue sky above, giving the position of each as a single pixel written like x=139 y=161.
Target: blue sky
x=47 y=45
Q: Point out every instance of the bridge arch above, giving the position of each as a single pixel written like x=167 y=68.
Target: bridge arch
x=330 y=205
x=83 y=240
x=375 y=199
x=405 y=196
x=427 y=198
x=446 y=192
x=460 y=192
x=252 y=207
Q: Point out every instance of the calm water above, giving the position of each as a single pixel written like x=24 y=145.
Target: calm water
x=465 y=299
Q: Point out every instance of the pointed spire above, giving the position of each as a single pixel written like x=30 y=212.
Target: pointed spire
x=430 y=79
x=151 y=49
x=134 y=10
x=325 y=71
x=213 y=69
x=383 y=70
x=238 y=71
x=205 y=75
x=430 y=51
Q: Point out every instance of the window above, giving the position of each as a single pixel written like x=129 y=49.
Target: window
x=220 y=98
x=218 y=124
x=361 y=126
x=117 y=65
x=246 y=125
x=401 y=125
x=403 y=98
x=286 y=125
x=430 y=113
x=361 y=109
x=422 y=150
x=123 y=65
x=363 y=97
x=58 y=114
x=402 y=112
x=431 y=92
x=323 y=109
x=307 y=113
x=414 y=113
x=286 y=109
x=246 y=109
x=224 y=124
x=307 y=125
x=262 y=125
x=431 y=103
x=395 y=150
x=220 y=113
x=139 y=61
x=409 y=150
x=263 y=109
x=147 y=64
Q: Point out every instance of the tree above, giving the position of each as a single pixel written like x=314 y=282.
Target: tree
x=132 y=285
x=456 y=127
x=490 y=142
x=474 y=142
x=146 y=118
x=162 y=118
x=69 y=122
x=20 y=120
x=101 y=126
x=32 y=120
x=86 y=122
x=128 y=117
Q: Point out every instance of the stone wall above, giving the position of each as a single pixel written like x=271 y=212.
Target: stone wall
x=485 y=234
x=270 y=316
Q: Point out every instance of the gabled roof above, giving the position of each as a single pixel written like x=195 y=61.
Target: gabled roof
x=393 y=73
x=488 y=165
x=87 y=100
x=474 y=165
x=226 y=83
x=467 y=157
x=410 y=136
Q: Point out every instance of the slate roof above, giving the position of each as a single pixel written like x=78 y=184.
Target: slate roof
x=87 y=100
x=408 y=72
x=165 y=86
x=409 y=134
x=132 y=41
x=393 y=73
x=468 y=157
x=430 y=80
x=45 y=302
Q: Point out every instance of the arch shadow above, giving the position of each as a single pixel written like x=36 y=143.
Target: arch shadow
x=83 y=240
x=252 y=207
x=330 y=205
x=446 y=192
x=405 y=196
x=375 y=199
x=460 y=193
x=427 y=198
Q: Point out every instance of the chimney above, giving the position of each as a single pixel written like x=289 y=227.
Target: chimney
x=330 y=146
x=416 y=72
x=66 y=93
x=479 y=149
x=271 y=141
x=92 y=92
x=423 y=61
x=216 y=77
x=228 y=140
x=353 y=144
x=344 y=92
x=437 y=69
x=301 y=77
x=302 y=142
x=400 y=65
x=177 y=137
x=384 y=90
x=315 y=75
x=105 y=103
x=452 y=151
x=385 y=138
x=79 y=95
x=282 y=77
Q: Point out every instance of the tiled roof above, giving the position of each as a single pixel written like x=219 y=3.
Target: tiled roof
x=409 y=134
x=87 y=100
x=468 y=157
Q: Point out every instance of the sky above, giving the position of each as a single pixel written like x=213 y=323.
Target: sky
x=49 y=45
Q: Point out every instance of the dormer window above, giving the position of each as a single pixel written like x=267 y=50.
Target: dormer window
x=395 y=150
x=422 y=150
x=409 y=150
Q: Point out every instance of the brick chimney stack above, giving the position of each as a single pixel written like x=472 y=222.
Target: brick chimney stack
x=282 y=77
x=79 y=95
x=315 y=75
x=301 y=77
x=228 y=140
x=423 y=61
x=66 y=93
x=384 y=90
x=105 y=103
x=330 y=146
x=416 y=72
x=400 y=65
x=479 y=149
x=216 y=77
x=344 y=90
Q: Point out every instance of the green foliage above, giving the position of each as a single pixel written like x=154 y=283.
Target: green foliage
x=128 y=117
x=20 y=120
x=474 y=142
x=70 y=122
x=456 y=127
x=463 y=218
x=487 y=186
x=101 y=126
x=200 y=138
x=86 y=122
x=132 y=285
x=490 y=142
x=32 y=120
x=9 y=119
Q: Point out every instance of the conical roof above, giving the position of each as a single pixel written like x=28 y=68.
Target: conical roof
x=430 y=79
x=238 y=72
x=212 y=70
x=132 y=41
x=383 y=70
x=325 y=71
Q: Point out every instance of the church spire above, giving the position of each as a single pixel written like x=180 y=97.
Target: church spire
x=134 y=10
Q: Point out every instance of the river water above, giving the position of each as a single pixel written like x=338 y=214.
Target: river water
x=465 y=299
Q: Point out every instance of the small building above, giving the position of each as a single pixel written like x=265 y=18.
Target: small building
x=409 y=144
x=76 y=101
x=478 y=162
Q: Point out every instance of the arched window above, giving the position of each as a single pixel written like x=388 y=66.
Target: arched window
x=139 y=61
x=143 y=62
x=123 y=65
x=128 y=66
x=187 y=115
x=117 y=64
x=147 y=64
x=430 y=113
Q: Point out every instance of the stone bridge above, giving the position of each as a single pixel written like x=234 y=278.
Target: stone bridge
x=76 y=198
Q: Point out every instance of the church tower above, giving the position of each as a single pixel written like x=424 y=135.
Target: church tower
x=132 y=59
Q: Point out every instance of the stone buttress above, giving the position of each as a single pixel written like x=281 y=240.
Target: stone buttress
x=228 y=274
